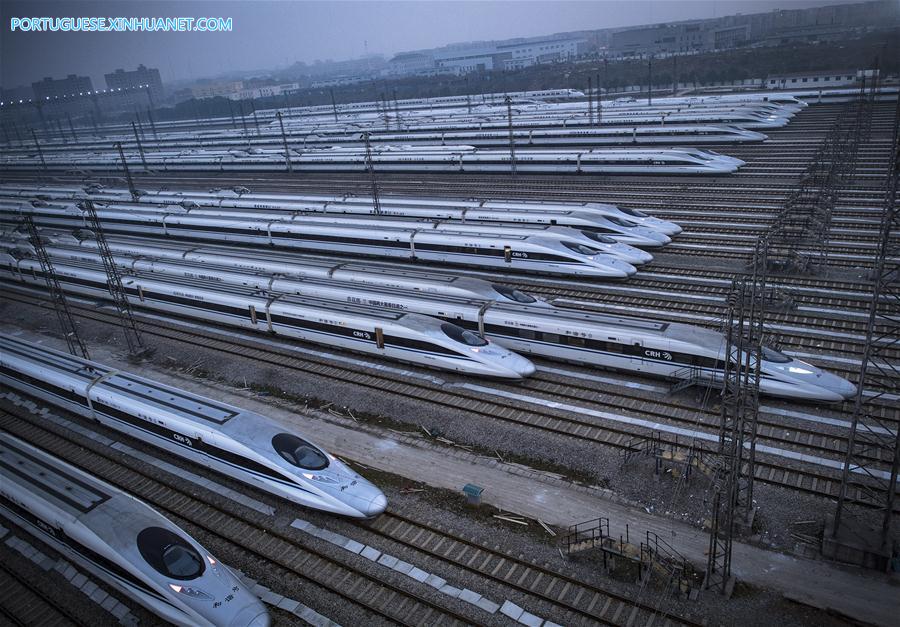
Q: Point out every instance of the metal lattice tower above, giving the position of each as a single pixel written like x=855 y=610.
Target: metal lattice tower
x=57 y=296
x=799 y=238
x=376 y=203
x=867 y=494
x=733 y=482
x=512 y=141
x=114 y=283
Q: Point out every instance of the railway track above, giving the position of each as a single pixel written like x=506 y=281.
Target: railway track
x=550 y=417
x=580 y=602
x=577 y=602
x=26 y=600
x=288 y=560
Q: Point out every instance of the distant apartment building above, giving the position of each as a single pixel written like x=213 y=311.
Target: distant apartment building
x=762 y=29
x=266 y=91
x=72 y=85
x=484 y=56
x=814 y=80
x=224 y=89
x=137 y=79
x=64 y=95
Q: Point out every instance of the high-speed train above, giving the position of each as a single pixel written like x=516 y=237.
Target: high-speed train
x=506 y=252
x=611 y=236
x=587 y=338
x=393 y=159
x=288 y=265
x=582 y=215
x=119 y=539
x=389 y=334
x=665 y=135
x=235 y=442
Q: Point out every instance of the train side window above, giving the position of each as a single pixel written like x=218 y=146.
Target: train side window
x=553 y=338
x=527 y=334
x=574 y=341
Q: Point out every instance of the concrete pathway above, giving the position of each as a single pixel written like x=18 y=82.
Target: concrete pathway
x=863 y=595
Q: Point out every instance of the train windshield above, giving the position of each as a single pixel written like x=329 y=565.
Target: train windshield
x=462 y=336
x=581 y=248
x=770 y=354
x=298 y=452
x=169 y=554
x=633 y=212
x=620 y=222
x=603 y=239
x=513 y=294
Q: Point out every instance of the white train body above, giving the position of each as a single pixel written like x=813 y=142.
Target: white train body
x=392 y=159
x=507 y=252
x=232 y=441
x=388 y=334
x=115 y=537
x=602 y=218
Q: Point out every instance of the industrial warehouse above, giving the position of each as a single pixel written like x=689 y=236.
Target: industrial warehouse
x=594 y=327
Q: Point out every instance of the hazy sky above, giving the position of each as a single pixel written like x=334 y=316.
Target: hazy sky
x=269 y=34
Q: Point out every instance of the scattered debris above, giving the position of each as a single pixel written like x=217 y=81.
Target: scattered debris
x=546 y=528
x=512 y=520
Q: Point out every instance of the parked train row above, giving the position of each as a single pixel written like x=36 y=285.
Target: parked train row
x=288 y=265
x=390 y=159
x=601 y=218
x=546 y=254
x=646 y=346
x=608 y=234
x=666 y=135
x=385 y=333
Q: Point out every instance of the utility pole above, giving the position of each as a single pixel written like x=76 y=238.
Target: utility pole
x=72 y=128
x=674 y=74
x=114 y=284
x=590 y=103
x=512 y=141
x=333 y=106
x=599 y=104
x=153 y=125
x=140 y=148
x=140 y=124
x=397 y=109
x=61 y=135
x=256 y=121
x=287 y=153
x=244 y=122
x=40 y=152
x=650 y=80
x=57 y=296
x=131 y=188
x=376 y=204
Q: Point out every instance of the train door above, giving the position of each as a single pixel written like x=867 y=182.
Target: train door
x=379 y=338
x=637 y=355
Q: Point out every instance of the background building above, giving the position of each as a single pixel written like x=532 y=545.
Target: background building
x=137 y=78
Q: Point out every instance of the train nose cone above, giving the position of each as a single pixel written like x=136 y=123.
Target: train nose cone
x=253 y=615
x=376 y=506
x=846 y=389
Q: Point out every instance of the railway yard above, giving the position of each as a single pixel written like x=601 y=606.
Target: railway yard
x=524 y=350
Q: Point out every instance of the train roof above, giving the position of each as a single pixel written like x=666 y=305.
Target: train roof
x=162 y=396
x=48 y=478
